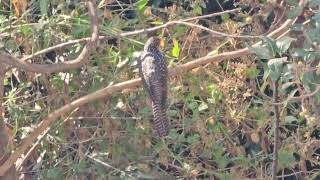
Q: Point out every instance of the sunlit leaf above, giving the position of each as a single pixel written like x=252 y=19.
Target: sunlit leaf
x=284 y=43
x=290 y=119
x=175 y=49
x=261 y=52
x=203 y=106
x=26 y=30
x=197 y=9
x=141 y=4
x=276 y=66
x=271 y=45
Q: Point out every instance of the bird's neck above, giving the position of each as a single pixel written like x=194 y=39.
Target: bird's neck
x=151 y=49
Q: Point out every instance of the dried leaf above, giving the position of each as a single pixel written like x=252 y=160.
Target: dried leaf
x=20 y=6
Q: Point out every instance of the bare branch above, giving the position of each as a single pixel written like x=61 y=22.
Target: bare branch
x=131 y=33
x=62 y=45
x=211 y=15
x=215 y=33
x=276 y=143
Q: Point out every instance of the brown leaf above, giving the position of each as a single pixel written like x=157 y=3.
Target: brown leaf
x=107 y=14
x=255 y=137
x=20 y=6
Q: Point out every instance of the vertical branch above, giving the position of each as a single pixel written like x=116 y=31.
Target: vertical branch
x=276 y=130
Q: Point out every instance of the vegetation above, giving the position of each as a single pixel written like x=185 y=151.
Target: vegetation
x=244 y=89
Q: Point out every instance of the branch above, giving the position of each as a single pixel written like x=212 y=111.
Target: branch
x=131 y=33
x=76 y=63
x=276 y=131
x=102 y=93
x=62 y=45
x=215 y=33
x=211 y=15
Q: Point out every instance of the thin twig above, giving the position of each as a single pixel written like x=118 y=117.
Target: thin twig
x=276 y=130
x=131 y=33
x=110 y=166
x=215 y=33
x=299 y=98
x=211 y=15
x=62 y=45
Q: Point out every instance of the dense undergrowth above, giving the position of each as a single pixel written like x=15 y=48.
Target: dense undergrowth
x=222 y=114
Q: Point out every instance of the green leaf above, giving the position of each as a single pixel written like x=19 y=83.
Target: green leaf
x=286 y=158
x=141 y=4
x=2 y=19
x=172 y=113
x=194 y=139
x=224 y=175
x=193 y=105
x=219 y=157
x=44 y=6
x=292 y=2
x=261 y=52
x=26 y=30
x=306 y=78
x=197 y=9
x=290 y=119
x=203 y=106
x=295 y=12
x=271 y=45
x=251 y=72
x=314 y=3
x=176 y=49
x=316 y=17
x=225 y=17
x=275 y=66
x=284 y=43
x=313 y=33
x=54 y=173
x=286 y=86
x=180 y=30
x=216 y=94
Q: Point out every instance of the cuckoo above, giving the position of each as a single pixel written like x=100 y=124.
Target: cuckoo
x=153 y=72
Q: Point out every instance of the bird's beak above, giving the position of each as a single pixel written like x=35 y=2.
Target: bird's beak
x=161 y=42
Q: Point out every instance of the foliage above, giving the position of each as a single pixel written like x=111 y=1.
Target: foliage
x=221 y=114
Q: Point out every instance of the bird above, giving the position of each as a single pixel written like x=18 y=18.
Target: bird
x=154 y=73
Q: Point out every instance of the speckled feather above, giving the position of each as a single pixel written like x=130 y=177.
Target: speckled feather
x=153 y=71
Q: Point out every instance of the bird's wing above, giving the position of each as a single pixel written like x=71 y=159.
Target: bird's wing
x=154 y=83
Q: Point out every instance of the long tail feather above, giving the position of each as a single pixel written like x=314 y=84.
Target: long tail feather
x=160 y=119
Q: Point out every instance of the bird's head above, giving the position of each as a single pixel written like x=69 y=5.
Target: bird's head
x=153 y=43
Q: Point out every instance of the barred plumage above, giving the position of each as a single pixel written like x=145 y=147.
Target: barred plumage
x=153 y=72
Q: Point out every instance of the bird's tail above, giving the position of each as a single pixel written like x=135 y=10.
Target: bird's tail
x=160 y=120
